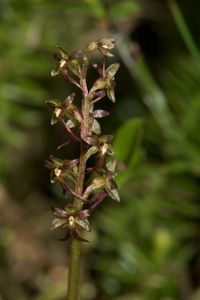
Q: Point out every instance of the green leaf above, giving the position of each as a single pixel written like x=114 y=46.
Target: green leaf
x=126 y=139
x=184 y=31
x=112 y=70
x=57 y=223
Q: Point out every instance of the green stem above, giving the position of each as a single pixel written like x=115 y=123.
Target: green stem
x=75 y=246
x=74 y=266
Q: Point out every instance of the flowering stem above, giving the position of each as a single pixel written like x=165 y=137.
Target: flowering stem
x=80 y=125
x=75 y=247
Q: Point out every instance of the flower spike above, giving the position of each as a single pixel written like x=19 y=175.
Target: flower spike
x=79 y=122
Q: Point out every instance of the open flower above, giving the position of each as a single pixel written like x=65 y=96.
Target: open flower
x=65 y=108
x=72 y=220
x=108 y=81
x=61 y=169
x=105 y=182
x=67 y=62
x=103 y=45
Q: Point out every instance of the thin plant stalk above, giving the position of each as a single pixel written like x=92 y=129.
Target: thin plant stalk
x=184 y=31
x=74 y=269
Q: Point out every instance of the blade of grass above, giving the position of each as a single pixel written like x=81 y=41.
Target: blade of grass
x=153 y=95
x=184 y=31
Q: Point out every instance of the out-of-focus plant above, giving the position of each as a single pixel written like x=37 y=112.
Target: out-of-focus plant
x=27 y=35
x=88 y=182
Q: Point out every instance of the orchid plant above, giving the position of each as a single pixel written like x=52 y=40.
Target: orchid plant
x=88 y=184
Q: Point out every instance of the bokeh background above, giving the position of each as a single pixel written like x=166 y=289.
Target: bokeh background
x=148 y=247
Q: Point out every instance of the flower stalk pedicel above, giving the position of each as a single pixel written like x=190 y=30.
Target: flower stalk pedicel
x=81 y=125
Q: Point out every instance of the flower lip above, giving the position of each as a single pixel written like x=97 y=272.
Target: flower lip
x=71 y=221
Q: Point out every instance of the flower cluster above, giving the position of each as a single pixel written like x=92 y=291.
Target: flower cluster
x=81 y=125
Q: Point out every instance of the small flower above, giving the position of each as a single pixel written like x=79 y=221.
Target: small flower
x=103 y=45
x=71 y=219
x=108 y=81
x=104 y=143
x=65 y=108
x=105 y=181
x=66 y=62
x=61 y=169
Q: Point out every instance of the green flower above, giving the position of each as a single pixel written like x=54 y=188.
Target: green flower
x=108 y=81
x=106 y=182
x=103 y=45
x=67 y=62
x=72 y=220
x=61 y=169
x=65 y=108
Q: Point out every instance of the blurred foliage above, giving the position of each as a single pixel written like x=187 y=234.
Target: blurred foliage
x=148 y=246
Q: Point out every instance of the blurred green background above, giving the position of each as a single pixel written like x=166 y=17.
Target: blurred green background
x=148 y=247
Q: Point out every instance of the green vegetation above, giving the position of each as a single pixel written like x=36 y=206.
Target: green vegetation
x=148 y=246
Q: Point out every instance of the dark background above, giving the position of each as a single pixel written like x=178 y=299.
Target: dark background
x=148 y=247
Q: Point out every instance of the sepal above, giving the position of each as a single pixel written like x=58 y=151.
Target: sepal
x=100 y=113
x=112 y=70
x=57 y=222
